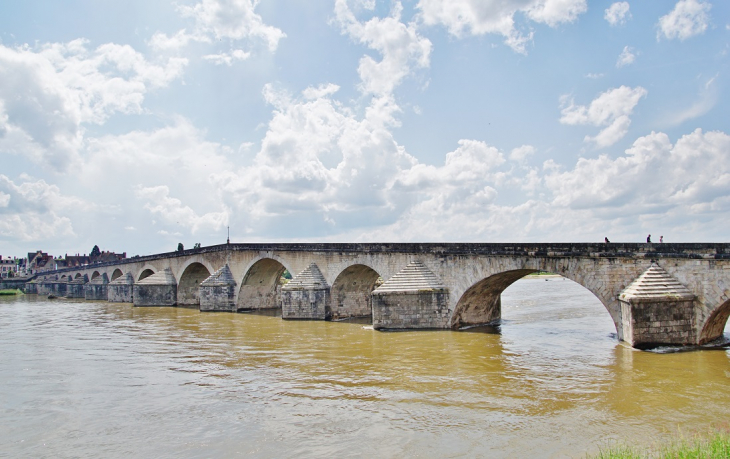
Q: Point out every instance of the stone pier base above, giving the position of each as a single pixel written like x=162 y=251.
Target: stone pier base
x=410 y=310
x=159 y=289
x=217 y=292
x=121 y=289
x=308 y=304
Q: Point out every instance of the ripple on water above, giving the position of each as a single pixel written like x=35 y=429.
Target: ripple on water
x=91 y=379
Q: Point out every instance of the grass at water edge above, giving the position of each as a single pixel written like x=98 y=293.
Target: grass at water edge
x=714 y=445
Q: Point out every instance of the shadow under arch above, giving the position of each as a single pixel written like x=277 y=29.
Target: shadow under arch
x=714 y=326
x=481 y=304
x=145 y=274
x=260 y=286
x=95 y=275
x=188 y=293
x=117 y=273
x=351 y=293
x=77 y=275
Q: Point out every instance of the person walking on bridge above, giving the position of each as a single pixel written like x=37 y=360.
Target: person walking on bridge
x=648 y=239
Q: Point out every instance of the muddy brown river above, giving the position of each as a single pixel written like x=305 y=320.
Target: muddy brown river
x=97 y=379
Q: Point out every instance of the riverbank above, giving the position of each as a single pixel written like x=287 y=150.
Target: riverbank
x=715 y=445
x=9 y=292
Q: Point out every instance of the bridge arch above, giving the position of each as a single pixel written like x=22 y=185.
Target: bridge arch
x=117 y=273
x=259 y=288
x=188 y=287
x=145 y=273
x=95 y=274
x=481 y=303
x=715 y=324
x=351 y=293
x=77 y=275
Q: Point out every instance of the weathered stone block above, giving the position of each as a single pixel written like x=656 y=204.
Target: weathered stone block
x=159 y=289
x=413 y=298
x=121 y=289
x=306 y=296
x=217 y=292
x=657 y=310
x=97 y=288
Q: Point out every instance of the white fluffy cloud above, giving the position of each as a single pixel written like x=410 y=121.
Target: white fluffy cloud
x=227 y=58
x=34 y=210
x=611 y=109
x=320 y=161
x=214 y=20
x=691 y=177
x=626 y=57
x=618 y=13
x=479 y=18
x=399 y=44
x=172 y=210
x=687 y=19
x=49 y=93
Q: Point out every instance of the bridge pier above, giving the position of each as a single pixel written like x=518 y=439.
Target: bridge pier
x=657 y=310
x=159 y=289
x=218 y=292
x=121 y=289
x=75 y=288
x=306 y=296
x=413 y=298
x=97 y=288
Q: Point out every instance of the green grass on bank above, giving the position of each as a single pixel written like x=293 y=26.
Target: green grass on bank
x=10 y=292
x=713 y=446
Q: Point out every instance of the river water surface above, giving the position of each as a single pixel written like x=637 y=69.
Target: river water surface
x=97 y=379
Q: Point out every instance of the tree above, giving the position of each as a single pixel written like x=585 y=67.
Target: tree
x=197 y=245
x=95 y=252
x=180 y=247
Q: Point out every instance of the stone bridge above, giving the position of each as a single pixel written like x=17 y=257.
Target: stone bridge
x=655 y=293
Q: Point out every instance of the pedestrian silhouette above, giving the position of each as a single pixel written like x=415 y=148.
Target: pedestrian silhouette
x=661 y=239
x=648 y=239
x=605 y=239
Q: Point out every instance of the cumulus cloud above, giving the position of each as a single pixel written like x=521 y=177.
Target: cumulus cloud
x=171 y=210
x=399 y=44
x=321 y=162
x=215 y=20
x=626 y=57
x=49 y=93
x=611 y=109
x=653 y=176
x=227 y=58
x=478 y=18
x=618 y=13
x=687 y=19
x=33 y=210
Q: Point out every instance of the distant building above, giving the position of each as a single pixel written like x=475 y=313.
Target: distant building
x=76 y=261
x=7 y=266
x=39 y=262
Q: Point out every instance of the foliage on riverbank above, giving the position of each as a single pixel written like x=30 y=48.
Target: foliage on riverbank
x=713 y=446
x=10 y=292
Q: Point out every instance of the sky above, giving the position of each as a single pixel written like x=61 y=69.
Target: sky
x=136 y=125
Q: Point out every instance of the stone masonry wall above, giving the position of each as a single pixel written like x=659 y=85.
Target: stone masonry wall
x=309 y=304
x=407 y=310
x=217 y=298
x=656 y=323
x=155 y=295
x=96 y=292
